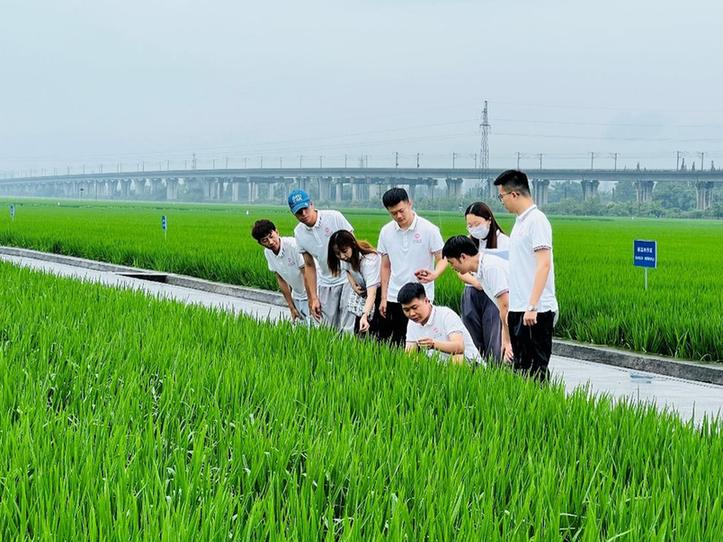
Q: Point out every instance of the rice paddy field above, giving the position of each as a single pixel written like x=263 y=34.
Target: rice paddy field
x=600 y=292
x=126 y=418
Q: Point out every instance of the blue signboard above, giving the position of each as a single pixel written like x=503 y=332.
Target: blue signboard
x=12 y=211
x=164 y=223
x=645 y=253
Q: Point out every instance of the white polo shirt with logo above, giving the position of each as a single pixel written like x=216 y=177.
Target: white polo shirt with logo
x=369 y=273
x=289 y=263
x=409 y=250
x=315 y=241
x=531 y=232
x=442 y=322
x=493 y=273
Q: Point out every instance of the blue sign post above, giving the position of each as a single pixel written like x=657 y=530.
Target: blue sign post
x=645 y=255
x=164 y=226
x=12 y=212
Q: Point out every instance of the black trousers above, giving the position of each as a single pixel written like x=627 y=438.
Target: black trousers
x=531 y=345
x=393 y=328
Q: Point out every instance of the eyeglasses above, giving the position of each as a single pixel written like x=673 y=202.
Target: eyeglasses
x=501 y=197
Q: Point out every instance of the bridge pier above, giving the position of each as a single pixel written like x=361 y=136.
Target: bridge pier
x=282 y=191
x=143 y=187
x=253 y=191
x=364 y=191
x=298 y=182
x=235 y=190
x=589 y=189
x=286 y=189
x=156 y=188
x=704 y=195
x=216 y=189
x=644 y=191
x=125 y=188
x=224 y=189
x=454 y=187
x=136 y=187
x=338 y=190
x=487 y=188
x=373 y=192
x=271 y=191
x=325 y=190
x=171 y=189
x=540 y=191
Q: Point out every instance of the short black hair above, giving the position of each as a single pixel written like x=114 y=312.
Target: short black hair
x=411 y=291
x=458 y=245
x=261 y=229
x=393 y=196
x=514 y=180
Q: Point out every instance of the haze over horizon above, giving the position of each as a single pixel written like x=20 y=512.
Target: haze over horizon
x=108 y=82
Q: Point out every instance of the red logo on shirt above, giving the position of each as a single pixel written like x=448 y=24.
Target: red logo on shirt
x=327 y=231
x=417 y=235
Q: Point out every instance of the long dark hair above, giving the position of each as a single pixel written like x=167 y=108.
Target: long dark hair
x=341 y=240
x=482 y=210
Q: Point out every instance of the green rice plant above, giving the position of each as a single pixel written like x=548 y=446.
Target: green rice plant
x=128 y=418
x=600 y=292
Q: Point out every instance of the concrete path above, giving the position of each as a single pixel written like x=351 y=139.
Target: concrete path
x=691 y=400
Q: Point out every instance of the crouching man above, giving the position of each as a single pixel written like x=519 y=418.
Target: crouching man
x=436 y=330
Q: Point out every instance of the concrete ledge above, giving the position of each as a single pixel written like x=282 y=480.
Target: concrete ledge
x=251 y=294
x=689 y=370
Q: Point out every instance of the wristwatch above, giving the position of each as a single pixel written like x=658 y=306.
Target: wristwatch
x=531 y=308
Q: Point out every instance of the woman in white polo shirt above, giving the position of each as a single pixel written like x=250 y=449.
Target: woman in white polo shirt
x=362 y=264
x=479 y=313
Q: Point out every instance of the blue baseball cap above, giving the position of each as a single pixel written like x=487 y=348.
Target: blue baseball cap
x=298 y=199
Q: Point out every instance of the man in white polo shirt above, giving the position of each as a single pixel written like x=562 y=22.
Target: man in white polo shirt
x=492 y=272
x=533 y=305
x=410 y=246
x=328 y=300
x=286 y=262
x=438 y=330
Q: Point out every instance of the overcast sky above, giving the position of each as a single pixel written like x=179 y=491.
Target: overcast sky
x=102 y=82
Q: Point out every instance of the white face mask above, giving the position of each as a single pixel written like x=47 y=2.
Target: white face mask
x=479 y=232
